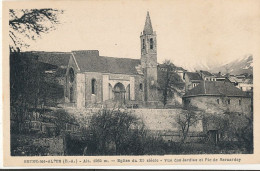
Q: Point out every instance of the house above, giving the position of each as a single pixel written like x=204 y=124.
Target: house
x=192 y=79
x=218 y=96
x=241 y=82
x=205 y=75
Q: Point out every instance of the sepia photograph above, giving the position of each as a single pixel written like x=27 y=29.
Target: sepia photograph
x=121 y=78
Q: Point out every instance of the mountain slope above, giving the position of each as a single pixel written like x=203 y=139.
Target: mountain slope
x=236 y=67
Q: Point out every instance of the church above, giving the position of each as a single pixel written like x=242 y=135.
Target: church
x=93 y=79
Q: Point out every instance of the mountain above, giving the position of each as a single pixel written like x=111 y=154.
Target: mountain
x=236 y=67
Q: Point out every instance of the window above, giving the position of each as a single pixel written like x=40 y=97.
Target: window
x=228 y=101
x=141 y=87
x=151 y=43
x=239 y=102
x=71 y=75
x=93 y=86
x=218 y=101
x=194 y=85
x=143 y=44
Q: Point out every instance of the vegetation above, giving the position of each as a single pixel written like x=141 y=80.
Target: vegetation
x=188 y=118
x=233 y=127
x=116 y=132
x=28 y=88
x=30 y=23
x=169 y=81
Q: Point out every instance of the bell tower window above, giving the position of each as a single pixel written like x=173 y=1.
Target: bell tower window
x=151 y=43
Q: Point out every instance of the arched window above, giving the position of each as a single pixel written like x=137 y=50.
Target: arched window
x=141 y=87
x=71 y=75
x=151 y=43
x=93 y=86
x=143 y=44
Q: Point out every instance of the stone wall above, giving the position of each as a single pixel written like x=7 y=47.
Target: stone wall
x=214 y=104
x=163 y=119
x=97 y=97
x=159 y=122
x=139 y=93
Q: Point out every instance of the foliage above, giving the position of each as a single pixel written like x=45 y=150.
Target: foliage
x=189 y=117
x=232 y=126
x=169 y=81
x=62 y=117
x=30 y=23
x=28 y=84
x=116 y=132
x=25 y=78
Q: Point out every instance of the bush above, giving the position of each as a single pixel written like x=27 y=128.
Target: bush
x=115 y=132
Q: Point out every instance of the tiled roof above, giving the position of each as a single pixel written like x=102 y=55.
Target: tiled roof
x=206 y=73
x=60 y=59
x=194 y=75
x=90 y=61
x=215 y=88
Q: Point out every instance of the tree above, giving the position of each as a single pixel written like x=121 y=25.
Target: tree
x=189 y=117
x=116 y=132
x=232 y=127
x=30 y=23
x=169 y=81
x=26 y=73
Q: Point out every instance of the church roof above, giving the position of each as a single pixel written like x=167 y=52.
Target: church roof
x=215 y=88
x=148 y=29
x=90 y=61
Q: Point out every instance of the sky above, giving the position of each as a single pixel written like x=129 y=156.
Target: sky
x=191 y=34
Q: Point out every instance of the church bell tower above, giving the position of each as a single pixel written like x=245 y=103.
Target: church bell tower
x=149 y=60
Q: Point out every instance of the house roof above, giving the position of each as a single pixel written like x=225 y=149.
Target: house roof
x=60 y=59
x=215 y=88
x=193 y=76
x=236 y=79
x=206 y=73
x=90 y=61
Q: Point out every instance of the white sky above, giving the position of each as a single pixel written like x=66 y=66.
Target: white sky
x=189 y=33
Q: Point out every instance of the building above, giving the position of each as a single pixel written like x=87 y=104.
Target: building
x=93 y=79
x=192 y=79
x=241 y=82
x=218 y=96
x=85 y=79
